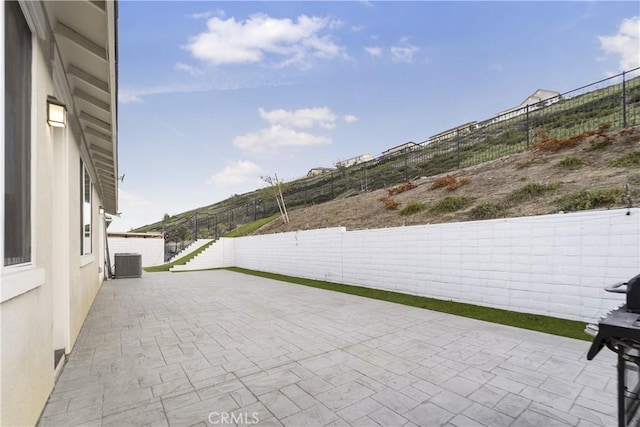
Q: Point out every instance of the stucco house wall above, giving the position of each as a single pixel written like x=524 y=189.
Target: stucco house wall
x=44 y=301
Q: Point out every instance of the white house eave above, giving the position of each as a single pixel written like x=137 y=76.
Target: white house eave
x=85 y=34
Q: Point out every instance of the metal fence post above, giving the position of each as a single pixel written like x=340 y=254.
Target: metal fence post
x=406 y=161
x=366 y=180
x=624 y=100
x=332 y=195
x=527 y=125
x=458 y=146
x=195 y=236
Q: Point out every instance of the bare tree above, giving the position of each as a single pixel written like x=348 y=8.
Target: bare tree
x=274 y=190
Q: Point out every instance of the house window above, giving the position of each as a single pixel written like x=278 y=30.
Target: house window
x=85 y=209
x=17 y=136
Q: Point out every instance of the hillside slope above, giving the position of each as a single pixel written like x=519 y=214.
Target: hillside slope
x=550 y=177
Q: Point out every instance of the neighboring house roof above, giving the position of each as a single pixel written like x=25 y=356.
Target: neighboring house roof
x=539 y=95
x=361 y=156
x=460 y=127
x=355 y=160
x=323 y=169
x=86 y=36
x=409 y=144
x=319 y=170
x=534 y=98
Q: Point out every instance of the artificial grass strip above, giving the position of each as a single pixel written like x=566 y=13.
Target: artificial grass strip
x=157 y=268
x=534 y=322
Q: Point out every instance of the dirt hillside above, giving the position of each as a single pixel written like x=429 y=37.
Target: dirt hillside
x=588 y=171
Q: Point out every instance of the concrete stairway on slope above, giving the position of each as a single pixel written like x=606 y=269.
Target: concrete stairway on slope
x=211 y=257
x=192 y=247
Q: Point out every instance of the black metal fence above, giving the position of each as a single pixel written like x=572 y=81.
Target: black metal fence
x=614 y=101
x=204 y=224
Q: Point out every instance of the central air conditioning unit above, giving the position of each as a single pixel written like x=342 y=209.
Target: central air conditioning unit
x=128 y=265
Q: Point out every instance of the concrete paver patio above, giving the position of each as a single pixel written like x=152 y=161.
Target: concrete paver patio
x=222 y=348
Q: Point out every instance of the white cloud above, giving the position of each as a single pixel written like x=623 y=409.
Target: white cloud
x=128 y=200
x=135 y=212
x=324 y=48
x=349 y=118
x=207 y=14
x=335 y=24
x=190 y=69
x=234 y=174
x=260 y=39
x=357 y=28
x=135 y=95
x=404 y=53
x=303 y=118
x=373 y=51
x=220 y=82
x=126 y=97
x=626 y=43
x=169 y=125
x=275 y=137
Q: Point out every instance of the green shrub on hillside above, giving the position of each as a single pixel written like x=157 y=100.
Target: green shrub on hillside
x=530 y=191
x=489 y=211
x=570 y=163
x=590 y=199
x=412 y=208
x=630 y=160
x=451 y=204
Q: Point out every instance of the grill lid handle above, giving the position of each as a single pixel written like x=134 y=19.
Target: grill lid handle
x=616 y=288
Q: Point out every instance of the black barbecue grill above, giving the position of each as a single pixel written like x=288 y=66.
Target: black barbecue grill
x=619 y=330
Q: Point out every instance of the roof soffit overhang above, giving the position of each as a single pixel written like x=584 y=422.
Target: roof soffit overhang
x=85 y=36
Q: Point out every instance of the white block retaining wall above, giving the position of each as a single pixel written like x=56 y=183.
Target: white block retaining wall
x=555 y=265
x=150 y=249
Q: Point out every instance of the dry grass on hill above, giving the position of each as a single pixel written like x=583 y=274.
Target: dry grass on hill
x=524 y=184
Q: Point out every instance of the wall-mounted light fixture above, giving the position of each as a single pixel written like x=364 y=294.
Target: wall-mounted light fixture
x=56 y=113
x=101 y=210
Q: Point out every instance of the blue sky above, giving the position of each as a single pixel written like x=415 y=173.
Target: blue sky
x=214 y=95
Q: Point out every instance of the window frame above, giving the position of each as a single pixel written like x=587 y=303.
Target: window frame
x=18 y=279
x=29 y=263
x=86 y=211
